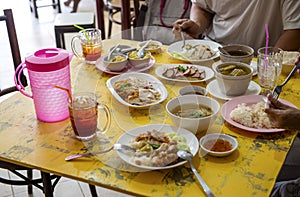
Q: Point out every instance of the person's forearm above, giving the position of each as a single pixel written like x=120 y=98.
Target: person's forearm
x=201 y=17
x=289 y=40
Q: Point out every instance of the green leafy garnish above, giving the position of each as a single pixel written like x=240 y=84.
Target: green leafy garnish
x=181 y=68
x=154 y=146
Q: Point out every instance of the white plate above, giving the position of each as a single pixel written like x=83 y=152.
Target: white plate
x=214 y=90
x=157 y=85
x=130 y=135
x=176 y=47
x=249 y=100
x=161 y=69
x=253 y=65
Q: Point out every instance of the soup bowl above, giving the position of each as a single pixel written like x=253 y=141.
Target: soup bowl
x=237 y=53
x=231 y=84
x=195 y=124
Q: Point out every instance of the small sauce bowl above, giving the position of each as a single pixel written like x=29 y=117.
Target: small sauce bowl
x=218 y=145
x=198 y=90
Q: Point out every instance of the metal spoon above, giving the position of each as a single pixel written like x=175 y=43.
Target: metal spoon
x=223 y=51
x=188 y=157
x=111 y=52
x=114 y=147
x=183 y=39
x=141 y=52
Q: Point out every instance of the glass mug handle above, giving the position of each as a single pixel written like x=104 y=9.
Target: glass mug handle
x=73 y=46
x=105 y=128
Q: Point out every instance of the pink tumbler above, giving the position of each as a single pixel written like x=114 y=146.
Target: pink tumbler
x=47 y=68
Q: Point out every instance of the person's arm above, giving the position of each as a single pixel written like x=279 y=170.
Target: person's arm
x=289 y=40
x=199 y=21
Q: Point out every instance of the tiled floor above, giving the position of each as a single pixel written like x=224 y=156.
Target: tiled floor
x=34 y=34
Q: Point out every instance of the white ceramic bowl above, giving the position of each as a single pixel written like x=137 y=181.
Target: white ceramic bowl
x=139 y=62
x=115 y=66
x=233 y=85
x=238 y=53
x=195 y=125
x=196 y=90
x=214 y=137
x=153 y=47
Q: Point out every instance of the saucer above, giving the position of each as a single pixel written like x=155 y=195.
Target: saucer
x=214 y=90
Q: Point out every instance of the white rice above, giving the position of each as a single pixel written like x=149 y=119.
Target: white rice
x=251 y=116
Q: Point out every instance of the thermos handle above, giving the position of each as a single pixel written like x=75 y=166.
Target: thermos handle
x=17 y=80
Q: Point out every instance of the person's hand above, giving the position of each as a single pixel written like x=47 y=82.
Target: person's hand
x=190 y=28
x=283 y=116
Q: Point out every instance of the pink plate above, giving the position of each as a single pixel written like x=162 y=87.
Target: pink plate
x=100 y=65
x=249 y=100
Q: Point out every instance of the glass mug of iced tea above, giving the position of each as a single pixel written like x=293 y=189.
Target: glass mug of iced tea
x=84 y=116
x=91 y=45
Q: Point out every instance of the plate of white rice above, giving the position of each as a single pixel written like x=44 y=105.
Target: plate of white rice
x=247 y=112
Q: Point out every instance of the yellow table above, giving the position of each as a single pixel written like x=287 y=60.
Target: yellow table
x=250 y=171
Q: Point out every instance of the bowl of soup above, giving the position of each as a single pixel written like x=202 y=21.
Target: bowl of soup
x=237 y=53
x=217 y=144
x=233 y=78
x=193 y=112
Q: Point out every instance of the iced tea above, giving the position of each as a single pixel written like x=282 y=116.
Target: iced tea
x=84 y=115
x=91 y=45
x=91 y=52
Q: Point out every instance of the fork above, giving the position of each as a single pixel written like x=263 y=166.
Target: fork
x=278 y=89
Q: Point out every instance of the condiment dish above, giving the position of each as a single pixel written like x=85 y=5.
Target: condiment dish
x=137 y=62
x=196 y=90
x=117 y=62
x=218 y=145
x=154 y=46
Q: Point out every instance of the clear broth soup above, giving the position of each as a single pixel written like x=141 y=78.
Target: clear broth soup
x=192 y=111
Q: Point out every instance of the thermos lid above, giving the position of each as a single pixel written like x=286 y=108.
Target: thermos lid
x=47 y=60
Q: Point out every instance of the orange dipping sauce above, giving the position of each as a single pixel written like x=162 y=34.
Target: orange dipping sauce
x=218 y=145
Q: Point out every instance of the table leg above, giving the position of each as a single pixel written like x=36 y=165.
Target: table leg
x=47 y=184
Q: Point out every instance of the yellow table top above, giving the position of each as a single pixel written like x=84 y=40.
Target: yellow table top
x=249 y=171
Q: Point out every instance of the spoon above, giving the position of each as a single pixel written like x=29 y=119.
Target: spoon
x=141 y=52
x=111 y=52
x=188 y=157
x=114 y=147
x=183 y=39
x=223 y=51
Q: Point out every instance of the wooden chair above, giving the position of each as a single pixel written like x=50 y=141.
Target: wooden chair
x=16 y=169
x=34 y=5
x=114 y=7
